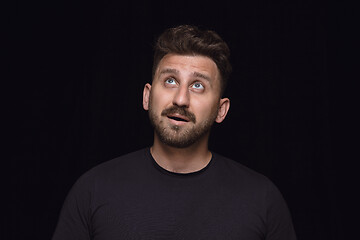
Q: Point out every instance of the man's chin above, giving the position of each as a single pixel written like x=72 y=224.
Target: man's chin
x=176 y=139
x=178 y=144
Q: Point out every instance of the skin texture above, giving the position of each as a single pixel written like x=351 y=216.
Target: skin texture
x=183 y=103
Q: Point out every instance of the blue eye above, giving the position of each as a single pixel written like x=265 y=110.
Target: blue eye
x=198 y=86
x=170 y=81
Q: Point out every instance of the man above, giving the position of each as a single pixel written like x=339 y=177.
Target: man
x=178 y=189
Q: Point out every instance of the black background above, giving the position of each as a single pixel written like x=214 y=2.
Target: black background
x=77 y=70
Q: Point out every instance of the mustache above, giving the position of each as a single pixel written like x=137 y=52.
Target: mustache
x=179 y=110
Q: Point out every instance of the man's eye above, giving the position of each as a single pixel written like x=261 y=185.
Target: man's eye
x=198 y=86
x=170 y=81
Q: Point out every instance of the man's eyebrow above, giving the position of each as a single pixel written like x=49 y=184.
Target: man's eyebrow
x=175 y=71
x=169 y=70
x=203 y=76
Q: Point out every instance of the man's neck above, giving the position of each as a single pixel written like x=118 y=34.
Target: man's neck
x=181 y=160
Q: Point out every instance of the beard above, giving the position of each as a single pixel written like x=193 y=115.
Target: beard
x=180 y=136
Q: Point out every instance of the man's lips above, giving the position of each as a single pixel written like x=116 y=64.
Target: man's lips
x=178 y=117
x=179 y=114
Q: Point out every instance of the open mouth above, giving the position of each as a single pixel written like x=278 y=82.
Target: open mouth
x=178 y=115
x=178 y=119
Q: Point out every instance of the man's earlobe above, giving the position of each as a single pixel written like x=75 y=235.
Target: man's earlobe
x=223 y=109
x=146 y=96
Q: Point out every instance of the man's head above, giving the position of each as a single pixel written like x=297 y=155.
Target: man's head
x=184 y=100
x=190 y=40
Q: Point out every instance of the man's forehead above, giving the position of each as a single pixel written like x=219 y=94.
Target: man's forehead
x=198 y=66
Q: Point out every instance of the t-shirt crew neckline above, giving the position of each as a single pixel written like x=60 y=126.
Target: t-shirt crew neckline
x=175 y=174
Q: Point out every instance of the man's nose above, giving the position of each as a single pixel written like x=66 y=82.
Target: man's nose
x=182 y=97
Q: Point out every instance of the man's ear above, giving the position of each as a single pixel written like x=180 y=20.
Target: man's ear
x=223 y=109
x=146 y=96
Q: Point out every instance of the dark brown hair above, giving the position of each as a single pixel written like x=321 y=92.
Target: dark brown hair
x=190 y=40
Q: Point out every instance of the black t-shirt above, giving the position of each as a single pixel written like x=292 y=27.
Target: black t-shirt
x=132 y=197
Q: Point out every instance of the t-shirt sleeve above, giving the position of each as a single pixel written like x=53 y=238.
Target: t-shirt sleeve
x=75 y=215
x=279 y=222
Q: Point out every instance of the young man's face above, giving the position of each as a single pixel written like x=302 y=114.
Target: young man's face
x=184 y=99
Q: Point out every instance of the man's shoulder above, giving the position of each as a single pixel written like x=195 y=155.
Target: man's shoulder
x=119 y=166
x=131 y=158
x=238 y=172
